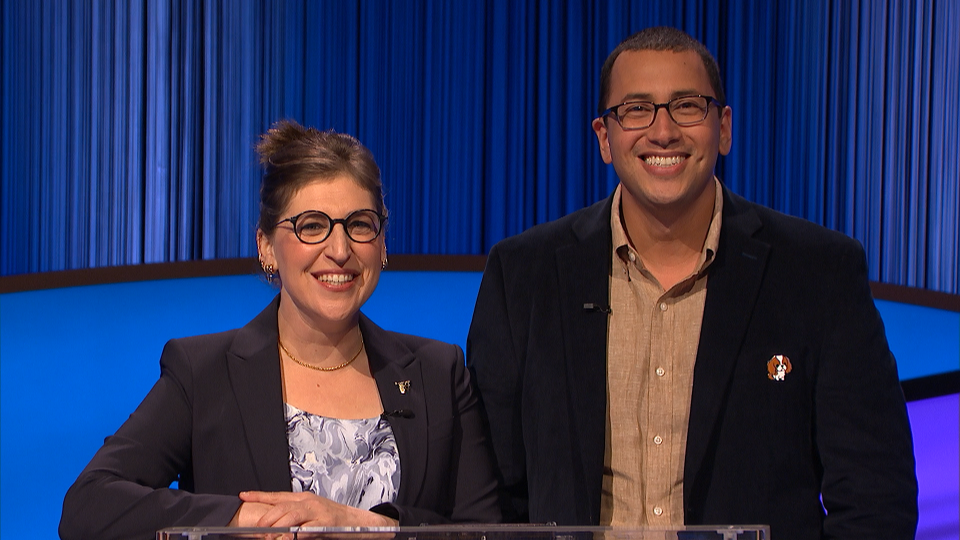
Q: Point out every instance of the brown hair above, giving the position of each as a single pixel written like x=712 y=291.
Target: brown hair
x=661 y=38
x=294 y=155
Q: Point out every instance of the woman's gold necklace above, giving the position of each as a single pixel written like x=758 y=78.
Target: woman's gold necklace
x=321 y=368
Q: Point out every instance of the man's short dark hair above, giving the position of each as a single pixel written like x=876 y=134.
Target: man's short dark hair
x=661 y=38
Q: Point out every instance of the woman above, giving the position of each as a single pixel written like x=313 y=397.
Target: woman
x=310 y=415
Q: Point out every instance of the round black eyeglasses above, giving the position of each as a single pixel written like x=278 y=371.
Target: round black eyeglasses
x=313 y=226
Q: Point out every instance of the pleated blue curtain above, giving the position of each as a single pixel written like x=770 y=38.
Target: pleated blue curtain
x=128 y=127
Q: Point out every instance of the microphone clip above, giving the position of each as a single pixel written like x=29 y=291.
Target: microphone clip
x=398 y=413
x=590 y=307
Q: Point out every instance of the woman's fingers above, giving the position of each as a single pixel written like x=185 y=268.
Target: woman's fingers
x=286 y=509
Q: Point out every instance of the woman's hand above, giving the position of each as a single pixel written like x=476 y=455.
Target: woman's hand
x=285 y=509
x=249 y=514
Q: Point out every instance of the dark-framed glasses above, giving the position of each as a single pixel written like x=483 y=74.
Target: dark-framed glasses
x=313 y=226
x=684 y=110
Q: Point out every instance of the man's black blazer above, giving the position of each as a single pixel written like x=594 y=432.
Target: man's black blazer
x=214 y=422
x=759 y=451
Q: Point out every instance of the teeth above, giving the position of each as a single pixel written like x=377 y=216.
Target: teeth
x=660 y=161
x=335 y=279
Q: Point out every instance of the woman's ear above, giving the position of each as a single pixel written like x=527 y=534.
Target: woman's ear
x=265 y=250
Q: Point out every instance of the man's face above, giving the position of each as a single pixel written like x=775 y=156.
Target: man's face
x=664 y=166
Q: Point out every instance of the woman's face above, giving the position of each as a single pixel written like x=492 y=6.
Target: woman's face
x=325 y=284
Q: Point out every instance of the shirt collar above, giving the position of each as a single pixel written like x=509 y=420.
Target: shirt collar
x=621 y=242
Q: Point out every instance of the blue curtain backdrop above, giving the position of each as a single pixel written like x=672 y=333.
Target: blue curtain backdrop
x=127 y=126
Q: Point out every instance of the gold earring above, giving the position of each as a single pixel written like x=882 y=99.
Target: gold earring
x=269 y=270
x=383 y=264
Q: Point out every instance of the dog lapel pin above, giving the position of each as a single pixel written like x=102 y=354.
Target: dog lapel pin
x=403 y=386
x=778 y=367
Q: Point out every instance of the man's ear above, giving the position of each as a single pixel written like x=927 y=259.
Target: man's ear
x=726 y=130
x=600 y=129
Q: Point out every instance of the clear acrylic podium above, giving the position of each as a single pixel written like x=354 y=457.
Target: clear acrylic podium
x=471 y=532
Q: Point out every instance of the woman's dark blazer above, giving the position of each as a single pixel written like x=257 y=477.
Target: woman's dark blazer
x=214 y=423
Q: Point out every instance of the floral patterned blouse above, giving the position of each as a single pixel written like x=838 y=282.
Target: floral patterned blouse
x=352 y=462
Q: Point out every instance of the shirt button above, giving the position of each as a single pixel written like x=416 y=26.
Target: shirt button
x=661 y=372
x=663 y=306
x=657 y=510
x=657 y=440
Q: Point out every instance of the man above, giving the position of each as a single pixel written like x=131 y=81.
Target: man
x=678 y=355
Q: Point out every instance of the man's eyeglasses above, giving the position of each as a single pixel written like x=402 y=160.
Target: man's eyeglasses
x=685 y=111
x=313 y=226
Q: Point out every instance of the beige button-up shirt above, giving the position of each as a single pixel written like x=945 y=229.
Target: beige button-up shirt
x=651 y=350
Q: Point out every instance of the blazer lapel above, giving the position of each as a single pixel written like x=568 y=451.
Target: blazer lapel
x=399 y=381
x=732 y=287
x=583 y=269
x=253 y=363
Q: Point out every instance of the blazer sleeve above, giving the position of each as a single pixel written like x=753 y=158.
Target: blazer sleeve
x=124 y=491
x=469 y=474
x=494 y=363
x=869 y=486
